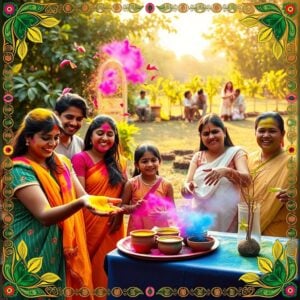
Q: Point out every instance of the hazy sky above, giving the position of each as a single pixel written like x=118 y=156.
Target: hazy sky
x=190 y=26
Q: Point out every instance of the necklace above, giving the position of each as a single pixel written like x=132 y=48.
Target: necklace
x=148 y=184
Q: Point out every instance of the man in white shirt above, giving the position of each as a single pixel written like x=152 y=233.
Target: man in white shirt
x=71 y=109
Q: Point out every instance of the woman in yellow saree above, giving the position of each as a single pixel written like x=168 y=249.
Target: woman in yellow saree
x=48 y=225
x=270 y=165
x=101 y=171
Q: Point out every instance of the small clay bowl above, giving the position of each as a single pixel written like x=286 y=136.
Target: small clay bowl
x=167 y=231
x=142 y=240
x=169 y=245
x=198 y=244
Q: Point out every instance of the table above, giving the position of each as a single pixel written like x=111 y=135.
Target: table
x=215 y=273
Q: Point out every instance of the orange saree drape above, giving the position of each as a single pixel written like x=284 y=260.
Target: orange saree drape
x=59 y=190
x=99 y=240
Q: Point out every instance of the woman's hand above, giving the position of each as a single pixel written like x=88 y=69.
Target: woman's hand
x=283 y=196
x=214 y=175
x=115 y=222
x=187 y=191
x=101 y=205
x=130 y=208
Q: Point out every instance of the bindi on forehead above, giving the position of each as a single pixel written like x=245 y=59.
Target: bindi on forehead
x=267 y=123
x=55 y=127
x=106 y=127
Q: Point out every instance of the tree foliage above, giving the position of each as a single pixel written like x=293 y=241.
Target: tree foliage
x=90 y=31
x=241 y=47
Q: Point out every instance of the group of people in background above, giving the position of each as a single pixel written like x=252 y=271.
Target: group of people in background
x=54 y=171
x=193 y=104
x=233 y=105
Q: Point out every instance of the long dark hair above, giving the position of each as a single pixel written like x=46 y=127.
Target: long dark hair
x=37 y=120
x=217 y=121
x=140 y=151
x=112 y=156
x=271 y=114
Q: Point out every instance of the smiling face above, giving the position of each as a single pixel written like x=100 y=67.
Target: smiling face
x=268 y=135
x=148 y=164
x=71 y=120
x=42 y=144
x=212 y=137
x=103 y=138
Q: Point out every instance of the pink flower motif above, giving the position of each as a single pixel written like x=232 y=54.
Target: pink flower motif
x=30 y=232
x=9 y=9
x=66 y=90
x=95 y=102
x=79 y=48
x=54 y=240
x=67 y=62
x=290 y=290
x=150 y=291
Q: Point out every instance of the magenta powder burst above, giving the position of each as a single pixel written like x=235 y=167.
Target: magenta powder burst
x=132 y=63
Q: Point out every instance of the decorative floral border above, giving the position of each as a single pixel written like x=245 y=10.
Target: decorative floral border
x=276 y=23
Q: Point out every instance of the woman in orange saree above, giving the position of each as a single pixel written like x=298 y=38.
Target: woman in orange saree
x=48 y=226
x=101 y=171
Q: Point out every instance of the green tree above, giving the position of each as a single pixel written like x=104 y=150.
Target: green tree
x=239 y=44
x=89 y=30
x=212 y=85
x=275 y=82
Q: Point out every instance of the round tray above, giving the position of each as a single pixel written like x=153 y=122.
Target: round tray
x=124 y=245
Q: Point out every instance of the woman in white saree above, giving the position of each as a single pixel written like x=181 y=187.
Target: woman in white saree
x=216 y=174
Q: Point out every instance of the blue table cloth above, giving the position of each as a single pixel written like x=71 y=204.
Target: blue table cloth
x=214 y=274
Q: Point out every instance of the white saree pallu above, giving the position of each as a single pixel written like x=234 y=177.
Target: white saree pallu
x=221 y=199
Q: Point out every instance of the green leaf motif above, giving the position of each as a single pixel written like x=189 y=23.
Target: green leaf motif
x=165 y=292
x=134 y=292
x=7 y=271
x=279 y=270
x=279 y=29
x=271 y=20
x=199 y=292
x=291 y=269
x=268 y=7
x=22 y=23
x=8 y=31
x=134 y=8
x=19 y=271
x=31 y=7
x=268 y=293
x=271 y=280
x=165 y=8
x=29 y=280
x=29 y=293
x=291 y=30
